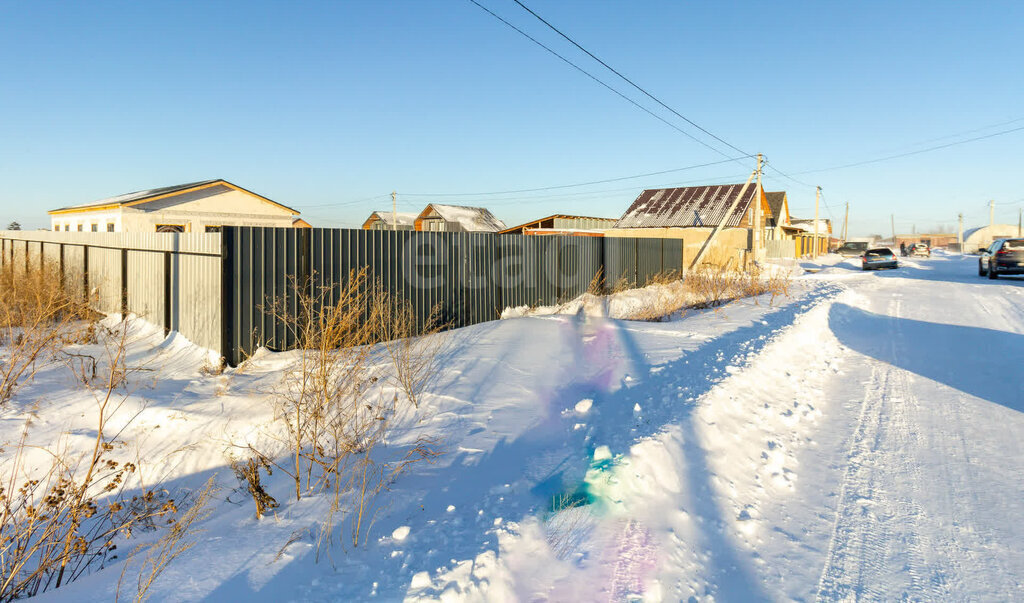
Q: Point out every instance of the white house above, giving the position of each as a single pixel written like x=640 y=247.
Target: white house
x=194 y=207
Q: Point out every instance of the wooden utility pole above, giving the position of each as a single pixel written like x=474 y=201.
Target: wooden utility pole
x=960 y=236
x=711 y=237
x=394 y=210
x=817 y=197
x=756 y=246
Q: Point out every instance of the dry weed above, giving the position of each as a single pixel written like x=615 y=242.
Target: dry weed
x=37 y=319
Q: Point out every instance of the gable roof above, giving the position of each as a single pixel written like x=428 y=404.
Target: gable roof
x=537 y=222
x=472 y=219
x=402 y=218
x=776 y=201
x=154 y=194
x=687 y=206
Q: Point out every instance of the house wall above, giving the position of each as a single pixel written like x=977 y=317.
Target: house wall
x=735 y=239
x=230 y=208
x=86 y=219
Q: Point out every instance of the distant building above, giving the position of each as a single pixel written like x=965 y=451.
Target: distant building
x=386 y=220
x=457 y=218
x=195 y=207
x=932 y=240
x=978 y=238
x=563 y=224
x=779 y=218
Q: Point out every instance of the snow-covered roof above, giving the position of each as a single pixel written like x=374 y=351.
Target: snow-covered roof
x=402 y=218
x=472 y=219
x=807 y=224
x=687 y=206
x=986 y=234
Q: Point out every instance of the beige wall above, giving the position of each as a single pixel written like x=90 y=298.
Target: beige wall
x=231 y=208
x=735 y=239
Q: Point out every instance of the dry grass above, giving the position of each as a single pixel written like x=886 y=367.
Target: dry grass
x=176 y=541
x=37 y=319
x=58 y=523
x=336 y=411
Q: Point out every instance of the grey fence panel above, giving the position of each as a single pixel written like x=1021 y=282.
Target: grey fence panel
x=648 y=260
x=146 y=288
x=785 y=248
x=672 y=256
x=620 y=261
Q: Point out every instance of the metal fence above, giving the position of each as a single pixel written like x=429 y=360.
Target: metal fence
x=220 y=290
x=173 y=280
x=469 y=277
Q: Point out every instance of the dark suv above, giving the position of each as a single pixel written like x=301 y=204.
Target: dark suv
x=1003 y=256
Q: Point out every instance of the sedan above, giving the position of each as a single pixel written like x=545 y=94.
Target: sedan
x=873 y=259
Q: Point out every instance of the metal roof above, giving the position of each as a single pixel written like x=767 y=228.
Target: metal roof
x=687 y=206
x=552 y=217
x=142 y=196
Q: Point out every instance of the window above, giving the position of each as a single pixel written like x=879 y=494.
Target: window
x=213 y=229
x=170 y=228
x=67 y=227
x=79 y=228
x=110 y=227
x=95 y=227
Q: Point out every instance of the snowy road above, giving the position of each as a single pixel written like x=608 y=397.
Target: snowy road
x=931 y=501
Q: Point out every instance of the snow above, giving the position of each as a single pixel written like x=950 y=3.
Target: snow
x=858 y=440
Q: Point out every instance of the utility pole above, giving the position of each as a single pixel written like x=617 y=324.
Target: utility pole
x=960 y=236
x=817 y=197
x=846 y=222
x=756 y=247
x=394 y=210
x=1019 y=215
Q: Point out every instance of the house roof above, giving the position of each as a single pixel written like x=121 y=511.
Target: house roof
x=775 y=202
x=153 y=194
x=402 y=218
x=551 y=217
x=687 y=206
x=472 y=219
x=807 y=224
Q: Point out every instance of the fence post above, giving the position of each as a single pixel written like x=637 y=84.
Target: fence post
x=124 y=283
x=63 y=280
x=85 y=271
x=228 y=349
x=167 y=293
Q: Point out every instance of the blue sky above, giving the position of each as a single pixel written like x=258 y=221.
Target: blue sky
x=328 y=107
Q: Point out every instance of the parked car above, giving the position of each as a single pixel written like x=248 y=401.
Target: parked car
x=1003 y=256
x=852 y=249
x=920 y=249
x=880 y=257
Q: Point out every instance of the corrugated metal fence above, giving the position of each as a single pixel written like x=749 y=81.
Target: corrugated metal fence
x=220 y=290
x=470 y=277
x=173 y=280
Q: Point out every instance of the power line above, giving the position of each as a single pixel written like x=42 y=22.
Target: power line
x=629 y=81
x=561 y=186
x=918 y=152
x=599 y=81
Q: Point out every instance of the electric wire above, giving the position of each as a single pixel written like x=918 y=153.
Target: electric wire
x=599 y=81
x=629 y=81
